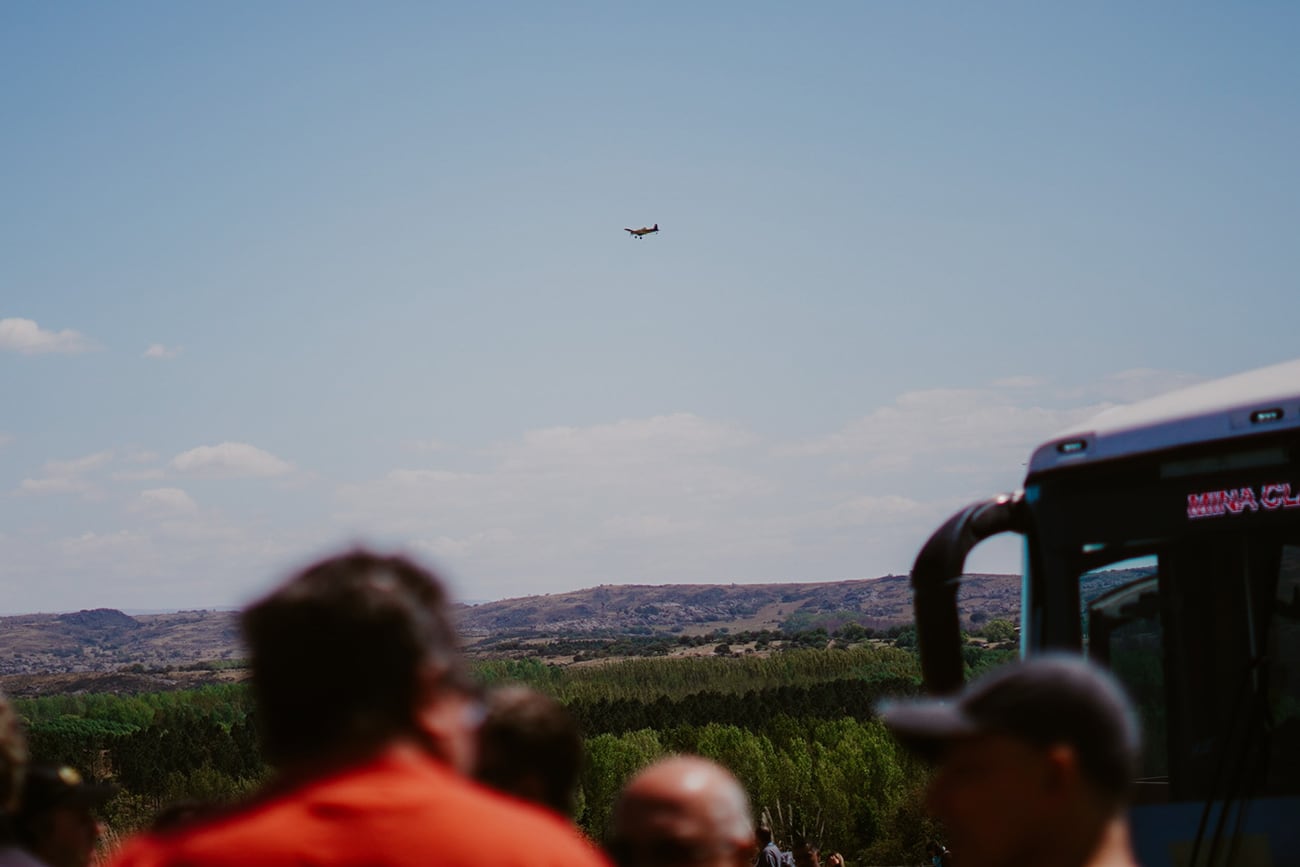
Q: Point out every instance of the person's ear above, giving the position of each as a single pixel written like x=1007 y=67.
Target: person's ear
x=448 y=720
x=744 y=854
x=1061 y=771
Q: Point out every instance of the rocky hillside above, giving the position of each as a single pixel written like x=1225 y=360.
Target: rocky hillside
x=876 y=603
x=107 y=640
x=103 y=639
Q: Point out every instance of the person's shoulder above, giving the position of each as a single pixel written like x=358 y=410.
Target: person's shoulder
x=143 y=850
x=165 y=848
x=235 y=835
x=529 y=833
x=432 y=803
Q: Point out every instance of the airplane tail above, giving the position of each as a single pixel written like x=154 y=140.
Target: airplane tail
x=656 y=227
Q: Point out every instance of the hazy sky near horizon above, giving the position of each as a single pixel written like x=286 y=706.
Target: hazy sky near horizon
x=277 y=278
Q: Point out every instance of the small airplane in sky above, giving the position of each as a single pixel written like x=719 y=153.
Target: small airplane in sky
x=643 y=231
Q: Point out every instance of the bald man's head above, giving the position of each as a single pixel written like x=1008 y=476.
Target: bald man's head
x=683 y=812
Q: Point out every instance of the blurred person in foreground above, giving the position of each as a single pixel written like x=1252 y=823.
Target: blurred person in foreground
x=369 y=720
x=529 y=746
x=684 y=811
x=55 y=822
x=1033 y=764
x=13 y=760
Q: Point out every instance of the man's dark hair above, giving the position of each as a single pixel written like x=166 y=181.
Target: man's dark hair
x=342 y=653
x=531 y=747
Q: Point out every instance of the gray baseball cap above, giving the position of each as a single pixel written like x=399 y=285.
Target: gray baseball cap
x=1044 y=700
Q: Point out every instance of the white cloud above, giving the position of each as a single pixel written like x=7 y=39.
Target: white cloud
x=148 y=550
x=446 y=547
x=230 y=460
x=67 y=477
x=667 y=459
x=141 y=469
x=159 y=351
x=166 y=501
x=1128 y=386
x=686 y=498
x=564 y=498
x=1019 y=382
x=115 y=546
x=26 y=337
x=628 y=442
x=142 y=472
x=5 y=438
x=145 y=475
x=864 y=510
x=647 y=526
x=945 y=431
x=665 y=498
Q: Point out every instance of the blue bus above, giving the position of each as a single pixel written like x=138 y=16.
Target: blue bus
x=1162 y=539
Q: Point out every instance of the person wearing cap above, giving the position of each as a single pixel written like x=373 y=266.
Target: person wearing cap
x=13 y=760
x=1033 y=764
x=55 y=822
x=368 y=718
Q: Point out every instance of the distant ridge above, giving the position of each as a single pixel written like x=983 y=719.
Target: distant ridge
x=165 y=645
x=876 y=603
x=104 y=639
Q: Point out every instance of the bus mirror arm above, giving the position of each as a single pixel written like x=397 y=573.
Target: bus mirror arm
x=936 y=575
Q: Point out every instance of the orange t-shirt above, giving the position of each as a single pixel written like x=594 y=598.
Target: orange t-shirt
x=399 y=809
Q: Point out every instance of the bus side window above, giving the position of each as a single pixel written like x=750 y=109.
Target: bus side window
x=1125 y=634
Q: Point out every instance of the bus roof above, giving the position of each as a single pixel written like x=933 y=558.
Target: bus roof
x=1258 y=401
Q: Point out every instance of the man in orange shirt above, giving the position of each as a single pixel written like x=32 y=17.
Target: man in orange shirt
x=369 y=719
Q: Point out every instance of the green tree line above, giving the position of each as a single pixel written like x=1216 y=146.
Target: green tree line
x=797 y=727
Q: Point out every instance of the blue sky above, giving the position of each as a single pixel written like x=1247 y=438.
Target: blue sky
x=280 y=277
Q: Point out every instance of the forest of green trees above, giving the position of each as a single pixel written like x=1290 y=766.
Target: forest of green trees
x=797 y=727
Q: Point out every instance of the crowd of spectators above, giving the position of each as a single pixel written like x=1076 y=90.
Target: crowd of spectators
x=386 y=752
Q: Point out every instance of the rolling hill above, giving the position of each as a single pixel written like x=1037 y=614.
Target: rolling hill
x=158 y=651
